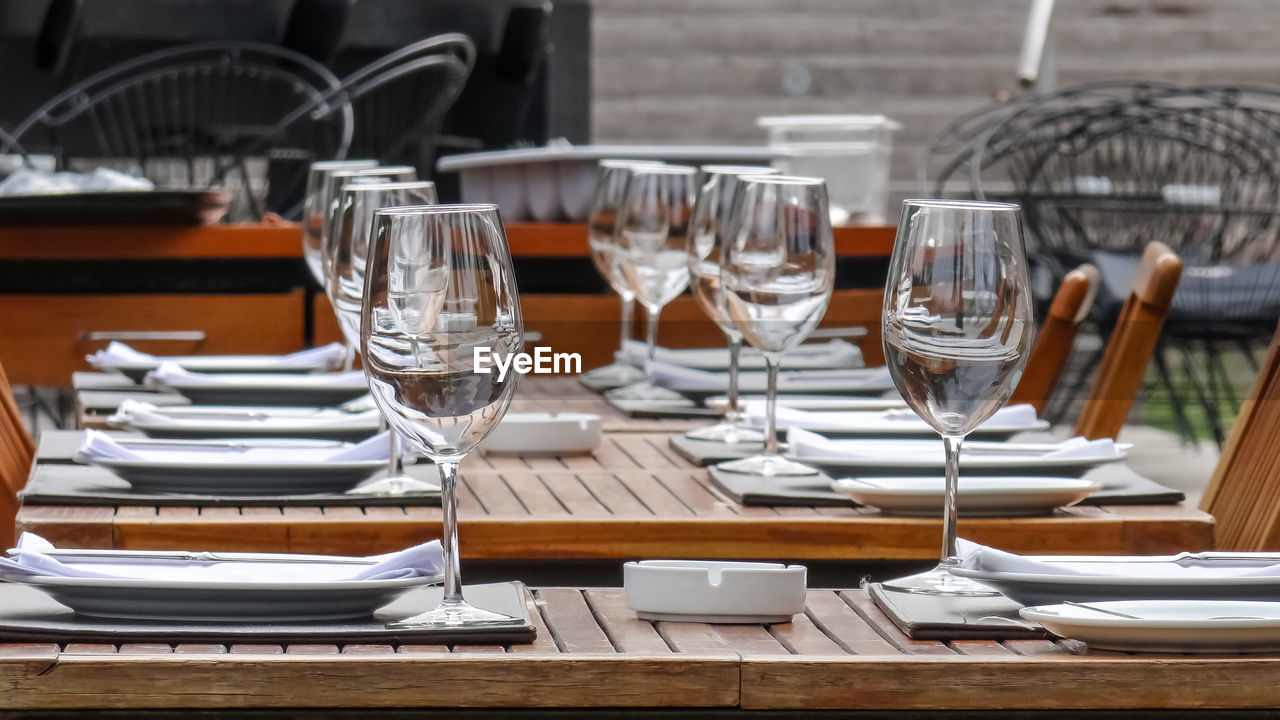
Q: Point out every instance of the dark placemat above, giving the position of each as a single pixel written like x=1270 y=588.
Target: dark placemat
x=1120 y=486
x=805 y=490
x=28 y=615
x=54 y=484
x=936 y=617
x=705 y=452
x=678 y=409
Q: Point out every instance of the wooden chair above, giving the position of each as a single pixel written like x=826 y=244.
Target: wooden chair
x=17 y=450
x=1132 y=343
x=1244 y=494
x=1056 y=336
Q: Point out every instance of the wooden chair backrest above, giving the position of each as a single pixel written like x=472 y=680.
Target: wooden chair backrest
x=1132 y=343
x=1055 y=338
x=1244 y=494
x=17 y=449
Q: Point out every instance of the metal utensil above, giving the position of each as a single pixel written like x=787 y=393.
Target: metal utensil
x=1104 y=611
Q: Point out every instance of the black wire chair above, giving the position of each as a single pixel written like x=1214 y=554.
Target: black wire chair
x=242 y=116
x=1102 y=170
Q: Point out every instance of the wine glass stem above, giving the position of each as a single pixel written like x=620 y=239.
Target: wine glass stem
x=449 y=503
x=771 y=406
x=395 y=461
x=628 y=312
x=951 y=444
x=651 y=329
x=349 y=358
x=735 y=346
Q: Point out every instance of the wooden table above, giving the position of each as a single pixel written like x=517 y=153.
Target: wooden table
x=592 y=652
x=633 y=498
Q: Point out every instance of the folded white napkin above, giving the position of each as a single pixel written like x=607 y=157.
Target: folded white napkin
x=1018 y=416
x=833 y=354
x=117 y=353
x=676 y=377
x=979 y=557
x=133 y=412
x=803 y=443
x=32 y=558
x=97 y=446
x=169 y=373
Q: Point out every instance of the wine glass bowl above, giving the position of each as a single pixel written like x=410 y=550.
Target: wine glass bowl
x=777 y=277
x=313 y=216
x=956 y=329
x=440 y=298
x=610 y=192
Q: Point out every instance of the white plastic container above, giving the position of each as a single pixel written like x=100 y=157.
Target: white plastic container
x=850 y=151
x=713 y=591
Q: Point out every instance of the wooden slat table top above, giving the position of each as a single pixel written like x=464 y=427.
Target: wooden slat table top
x=593 y=652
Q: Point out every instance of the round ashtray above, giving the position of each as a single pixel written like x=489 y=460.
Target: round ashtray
x=712 y=591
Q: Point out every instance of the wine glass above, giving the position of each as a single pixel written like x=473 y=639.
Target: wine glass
x=777 y=276
x=349 y=252
x=711 y=211
x=329 y=192
x=651 y=233
x=440 y=296
x=312 y=217
x=612 y=177
x=957 y=324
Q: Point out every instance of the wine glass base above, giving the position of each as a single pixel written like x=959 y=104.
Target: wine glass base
x=727 y=433
x=617 y=375
x=939 y=582
x=393 y=485
x=454 y=615
x=767 y=466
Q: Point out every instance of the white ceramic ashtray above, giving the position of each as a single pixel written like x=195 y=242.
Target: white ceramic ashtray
x=710 y=591
x=545 y=434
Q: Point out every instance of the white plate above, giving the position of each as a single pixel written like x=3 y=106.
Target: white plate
x=259 y=471
x=240 y=601
x=1160 y=577
x=270 y=389
x=853 y=381
x=815 y=402
x=860 y=424
x=1175 y=626
x=544 y=434
x=221 y=364
x=248 y=422
x=987 y=496
x=925 y=457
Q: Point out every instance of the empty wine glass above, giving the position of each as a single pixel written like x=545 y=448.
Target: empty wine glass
x=313 y=218
x=711 y=211
x=353 y=228
x=440 y=296
x=956 y=327
x=612 y=177
x=651 y=234
x=777 y=276
x=332 y=187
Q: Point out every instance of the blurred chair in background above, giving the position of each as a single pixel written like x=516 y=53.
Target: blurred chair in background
x=1055 y=338
x=1132 y=343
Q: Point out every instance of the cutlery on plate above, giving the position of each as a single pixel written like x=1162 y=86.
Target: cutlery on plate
x=185 y=556
x=1104 y=611
x=231 y=445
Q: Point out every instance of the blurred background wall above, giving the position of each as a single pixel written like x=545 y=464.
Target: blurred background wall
x=704 y=69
